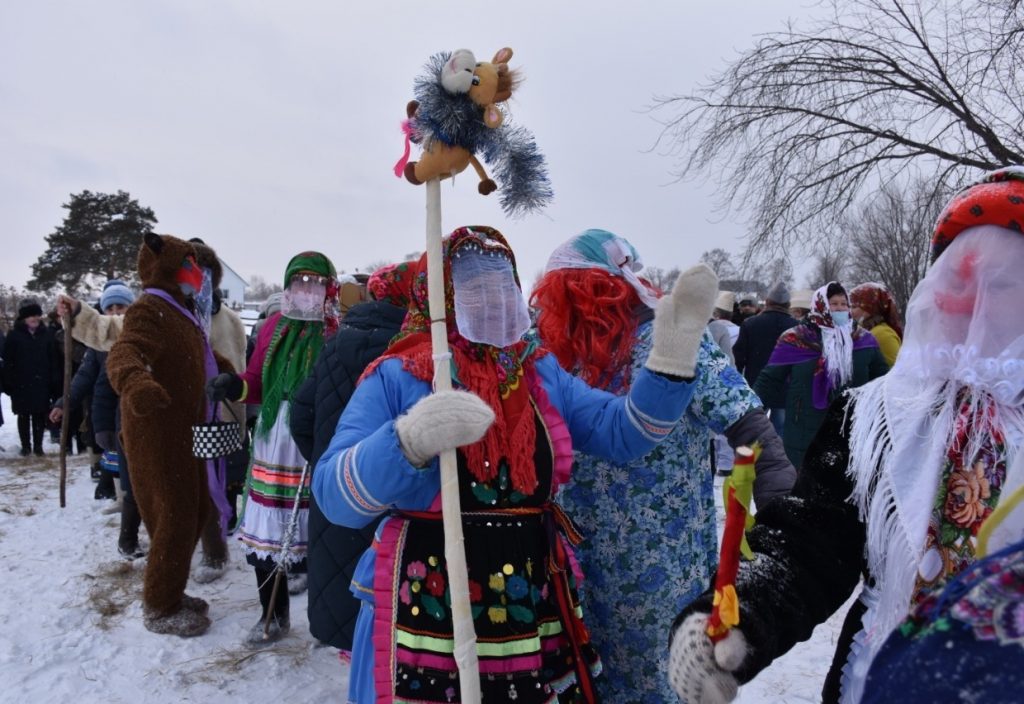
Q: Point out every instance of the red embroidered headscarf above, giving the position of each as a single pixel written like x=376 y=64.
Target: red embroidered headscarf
x=393 y=283
x=875 y=300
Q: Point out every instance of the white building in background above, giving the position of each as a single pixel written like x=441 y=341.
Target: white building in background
x=232 y=287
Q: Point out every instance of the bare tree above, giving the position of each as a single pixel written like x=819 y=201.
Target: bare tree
x=830 y=260
x=768 y=271
x=661 y=279
x=721 y=262
x=889 y=237
x=811 y=120
x=260 y=289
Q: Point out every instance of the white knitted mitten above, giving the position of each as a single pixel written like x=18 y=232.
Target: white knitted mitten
x=442 y=421
x=699 y=671
x=679 y=322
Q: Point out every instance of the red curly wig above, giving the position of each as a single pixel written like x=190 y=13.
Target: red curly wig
x=587 y=319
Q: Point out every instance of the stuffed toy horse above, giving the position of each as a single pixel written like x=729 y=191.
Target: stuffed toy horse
x=457 y=115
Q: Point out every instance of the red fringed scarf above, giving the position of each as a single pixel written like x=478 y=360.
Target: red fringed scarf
x=495 y=375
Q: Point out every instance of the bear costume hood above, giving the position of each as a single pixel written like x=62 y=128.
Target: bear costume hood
x=160 y=259
x=207 y=258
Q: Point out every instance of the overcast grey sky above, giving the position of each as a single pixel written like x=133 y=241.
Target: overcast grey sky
x=267 y=128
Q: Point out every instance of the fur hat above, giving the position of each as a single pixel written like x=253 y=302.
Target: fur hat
x=801 y=298
x=28 y=308
x=115 y=292
x=779 y=294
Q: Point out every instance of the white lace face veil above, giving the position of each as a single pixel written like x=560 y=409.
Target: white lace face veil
x=964 y=321
x=489 y=307
x=304 y=297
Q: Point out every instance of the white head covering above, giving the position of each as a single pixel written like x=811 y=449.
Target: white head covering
x=600 y=249
x=963 y=332
x=836 y=340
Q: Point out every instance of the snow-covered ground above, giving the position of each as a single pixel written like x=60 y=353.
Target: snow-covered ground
x=71 y=623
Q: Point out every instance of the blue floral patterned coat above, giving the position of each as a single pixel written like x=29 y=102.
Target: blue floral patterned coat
x=650 y=539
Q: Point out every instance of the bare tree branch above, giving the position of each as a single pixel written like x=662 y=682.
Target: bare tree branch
x=879 y=94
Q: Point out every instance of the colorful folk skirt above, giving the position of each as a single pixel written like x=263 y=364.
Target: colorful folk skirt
x=531 y=642
x=272 y=489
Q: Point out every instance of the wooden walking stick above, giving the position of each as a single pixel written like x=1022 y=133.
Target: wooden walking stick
x=65 y=419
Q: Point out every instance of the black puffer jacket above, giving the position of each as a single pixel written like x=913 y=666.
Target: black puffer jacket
x=755 y=344
x=32 y=370
x=809 y=550
x=316 y=407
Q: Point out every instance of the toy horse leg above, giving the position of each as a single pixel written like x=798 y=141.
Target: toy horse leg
x=486 y=184
x=410 y=174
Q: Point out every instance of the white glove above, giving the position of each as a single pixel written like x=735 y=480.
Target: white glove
x=679 y=322
x=701 y=672
x=442 y=421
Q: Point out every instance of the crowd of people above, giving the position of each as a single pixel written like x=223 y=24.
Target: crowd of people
x=588 y=419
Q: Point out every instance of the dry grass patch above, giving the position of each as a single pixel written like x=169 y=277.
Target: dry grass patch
x=112 y=590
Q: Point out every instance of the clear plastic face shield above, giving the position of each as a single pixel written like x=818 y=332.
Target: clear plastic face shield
x=304 y=297
x=489 y=307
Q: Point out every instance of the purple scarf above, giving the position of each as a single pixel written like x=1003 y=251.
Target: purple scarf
x=803 y=344
x=216 y=470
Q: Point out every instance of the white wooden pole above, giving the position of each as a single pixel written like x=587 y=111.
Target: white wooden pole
x=454 y=542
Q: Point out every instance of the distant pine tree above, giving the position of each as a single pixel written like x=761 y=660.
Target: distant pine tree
x=100 y=236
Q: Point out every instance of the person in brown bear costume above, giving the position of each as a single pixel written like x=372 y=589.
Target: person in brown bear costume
x=158 y=367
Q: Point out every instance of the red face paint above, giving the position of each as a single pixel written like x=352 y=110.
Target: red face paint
x=190 y=274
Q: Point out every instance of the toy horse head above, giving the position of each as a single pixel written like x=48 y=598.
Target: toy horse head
x=487 y=82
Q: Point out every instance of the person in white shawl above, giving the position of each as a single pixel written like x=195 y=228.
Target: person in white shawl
x=902 y=475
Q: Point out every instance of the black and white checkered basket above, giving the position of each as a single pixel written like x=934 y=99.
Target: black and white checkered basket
x=216 y=439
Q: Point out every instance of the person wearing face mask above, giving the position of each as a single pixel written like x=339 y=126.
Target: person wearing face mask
x=158 y=367
x=913 y=482
x=227 y=337
x=875 y=310
x=813 y=362
x=334 y=551
x=514 y=418
x=286 y=350
x=32 y=374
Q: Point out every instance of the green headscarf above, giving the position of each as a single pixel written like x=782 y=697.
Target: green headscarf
x=295 y=345
x=309 y=261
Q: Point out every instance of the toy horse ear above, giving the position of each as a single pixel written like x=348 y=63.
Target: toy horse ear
x=493 y=117
x=502 y=56
x=154 y=242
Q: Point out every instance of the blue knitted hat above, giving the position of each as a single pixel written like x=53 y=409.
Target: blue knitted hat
x=115 y=292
